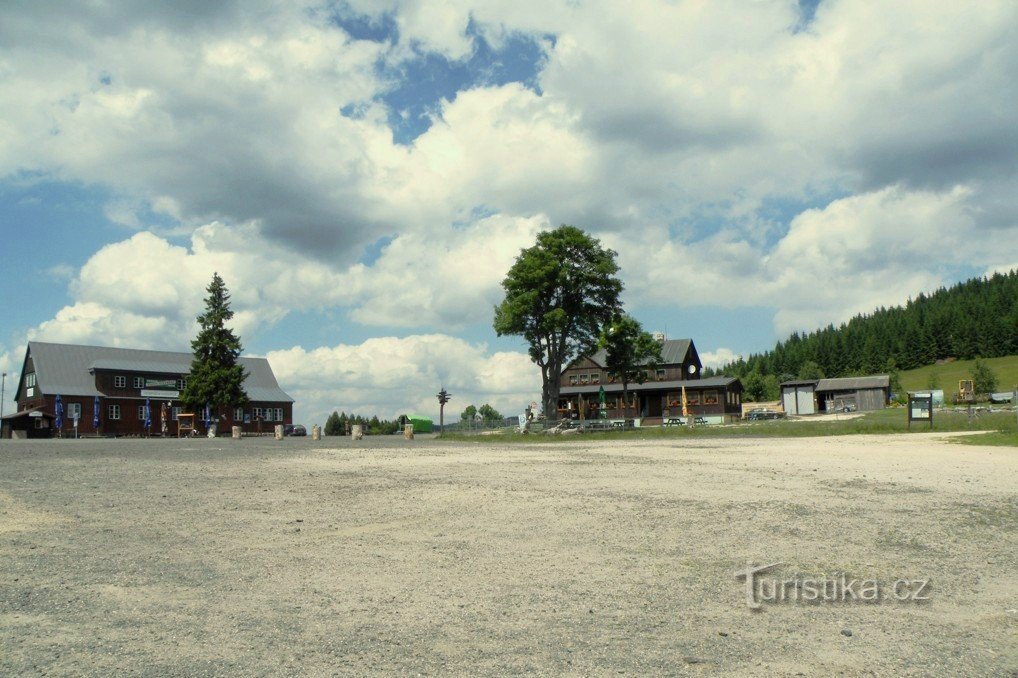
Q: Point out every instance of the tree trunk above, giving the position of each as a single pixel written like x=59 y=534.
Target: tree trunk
x=550 y=391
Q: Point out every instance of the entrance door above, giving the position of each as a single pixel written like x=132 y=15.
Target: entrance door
x=654 y=406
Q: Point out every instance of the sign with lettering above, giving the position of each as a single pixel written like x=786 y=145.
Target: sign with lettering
x=160 y=383
x=165 y=395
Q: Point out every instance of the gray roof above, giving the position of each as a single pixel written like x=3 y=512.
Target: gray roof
x=64 y=369
x=800 y=382
x=690 y=384
x=673 y=351
x=854 y=383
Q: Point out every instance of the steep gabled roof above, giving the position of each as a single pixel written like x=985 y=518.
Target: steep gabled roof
x=65 y=368
x=673 y=352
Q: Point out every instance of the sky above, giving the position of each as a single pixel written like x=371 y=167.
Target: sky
x=362 y=173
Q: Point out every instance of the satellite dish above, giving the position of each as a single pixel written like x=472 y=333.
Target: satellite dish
x=692 y=369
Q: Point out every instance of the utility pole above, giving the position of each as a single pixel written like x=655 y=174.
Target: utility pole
x=443 y=398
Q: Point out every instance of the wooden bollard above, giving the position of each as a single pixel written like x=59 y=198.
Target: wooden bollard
x=279 y=431
x=408 y=432
x=357 y=432
x=236 y=432
x=316 y=432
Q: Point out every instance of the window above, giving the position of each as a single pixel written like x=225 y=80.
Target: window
x=595 y=378
x=279 y=414
x=74 y=410
x=114 y=411
x=176 y=412
x=661 y=375
x=238 y=414
x=119 y=382
x=139 y=382
x=141 y=413
x=710 y=397
x=30 y=380
x=258 y=413
x=584 y=378
x=181 y=383
x=572 y=380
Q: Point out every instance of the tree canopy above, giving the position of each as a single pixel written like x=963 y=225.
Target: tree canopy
x=216 y=378
x=630 y=352
x=559 y=294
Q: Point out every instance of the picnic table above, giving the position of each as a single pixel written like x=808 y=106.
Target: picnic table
x=675 y=421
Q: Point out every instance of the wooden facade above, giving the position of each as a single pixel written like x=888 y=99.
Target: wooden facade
x=122 y=383
x=656 y=400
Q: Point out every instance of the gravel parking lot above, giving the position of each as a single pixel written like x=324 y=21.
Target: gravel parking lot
x=580 y=557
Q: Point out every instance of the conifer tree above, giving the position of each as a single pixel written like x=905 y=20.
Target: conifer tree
x=216 y=378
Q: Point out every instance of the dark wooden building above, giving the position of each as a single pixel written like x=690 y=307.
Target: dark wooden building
x=117 y=384
x=659 y=398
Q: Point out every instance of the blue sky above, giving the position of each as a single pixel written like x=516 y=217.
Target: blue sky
x=362 y=174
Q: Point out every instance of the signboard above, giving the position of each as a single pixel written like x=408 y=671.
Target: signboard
x=35 y=413
x=920 y=408
x=163 y=395
x=160 y=383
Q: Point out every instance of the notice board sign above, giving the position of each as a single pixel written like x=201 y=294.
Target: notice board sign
x=920 y=408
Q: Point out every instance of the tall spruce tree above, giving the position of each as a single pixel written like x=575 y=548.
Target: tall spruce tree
x=216 y=377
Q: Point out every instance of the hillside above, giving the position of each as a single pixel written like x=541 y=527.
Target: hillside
x=975 y=318
x=948 y=374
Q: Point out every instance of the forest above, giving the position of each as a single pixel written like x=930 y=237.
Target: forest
x=975 y=318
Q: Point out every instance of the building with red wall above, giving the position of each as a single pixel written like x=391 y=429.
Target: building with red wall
x=123 y=381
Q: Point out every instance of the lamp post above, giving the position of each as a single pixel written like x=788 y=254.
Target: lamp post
x=443 y=398
x=3 y=387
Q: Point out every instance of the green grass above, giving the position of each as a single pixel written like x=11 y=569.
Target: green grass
x=1000 y=438
x=948 y=374
x=890 y=420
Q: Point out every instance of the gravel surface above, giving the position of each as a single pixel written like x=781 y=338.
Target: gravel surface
x=580 y=557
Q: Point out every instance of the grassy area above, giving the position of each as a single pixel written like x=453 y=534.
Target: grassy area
x=948 y=374
x=1001 y=438
x=890 y=420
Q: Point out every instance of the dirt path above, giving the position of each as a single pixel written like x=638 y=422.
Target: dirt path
x=583 y=558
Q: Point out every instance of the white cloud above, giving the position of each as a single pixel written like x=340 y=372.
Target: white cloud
x=718 y=358
x=389 y=376
x=668 y=129
x=446 y=280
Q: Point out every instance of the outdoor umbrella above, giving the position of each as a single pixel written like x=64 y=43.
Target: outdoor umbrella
x=60 y=413
x=95 y=413
x=148 y=414
x=208 y=415
x=685 y=408
x=601 y=398
x=162 y=417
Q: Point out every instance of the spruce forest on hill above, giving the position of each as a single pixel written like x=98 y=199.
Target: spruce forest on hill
x=975 y=318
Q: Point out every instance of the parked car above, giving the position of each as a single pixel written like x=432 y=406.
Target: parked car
x=763 y=414
x=294 y=430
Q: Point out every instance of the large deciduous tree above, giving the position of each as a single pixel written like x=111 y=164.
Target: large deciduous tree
x=216 y=378
x=559 y=294
x=630 y=353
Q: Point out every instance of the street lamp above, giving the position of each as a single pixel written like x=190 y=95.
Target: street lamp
x=443 y=398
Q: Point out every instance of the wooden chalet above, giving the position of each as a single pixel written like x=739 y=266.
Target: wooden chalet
x=117 y=383
x=659 y=398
